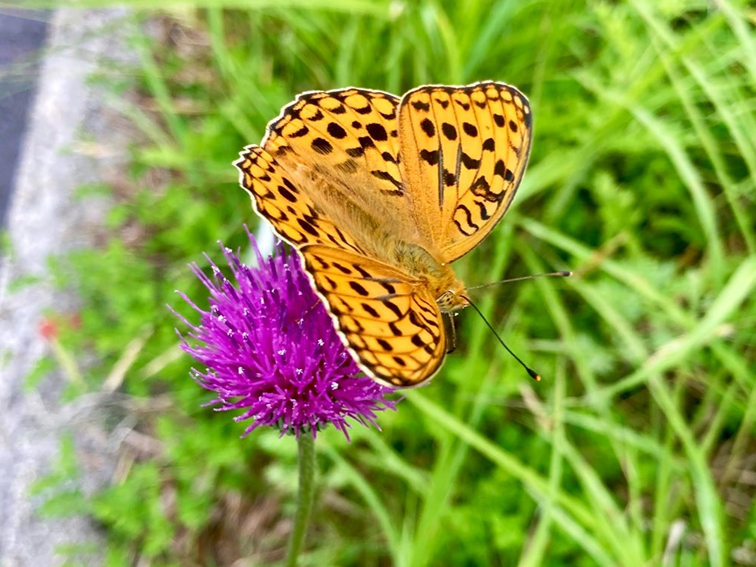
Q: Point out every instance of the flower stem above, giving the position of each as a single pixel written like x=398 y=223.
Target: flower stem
x=305 y=496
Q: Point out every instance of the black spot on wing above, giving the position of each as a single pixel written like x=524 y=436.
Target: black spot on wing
x=420 y=105
x=295 y=112
x=463 y=104
x=377 y=132
x=307 y=227
x=387 y=156
x=449 y=131
x=286 y=194
x=386 y=176
x=386 y=285
x=336 y=131
x=370 y=310
x=343 y=269
x=362 y=271
x=393 y=307
x=303 y=131
x=415 y=319
x=290 y=186
x=430 y=157
x=471 y=228
x=388 y=115
x=358 y=287
x=428 y=128
x=469 y=162
x=354 y=325
x=470 y=129
x=320 y=263
x=322 y=146
x=385 y=345
x=483 y=211
x=366 y=142
x=480 y=187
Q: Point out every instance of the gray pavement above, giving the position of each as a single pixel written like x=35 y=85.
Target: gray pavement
x=45 y=220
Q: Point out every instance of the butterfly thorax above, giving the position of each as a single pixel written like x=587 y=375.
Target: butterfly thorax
x=439 y=276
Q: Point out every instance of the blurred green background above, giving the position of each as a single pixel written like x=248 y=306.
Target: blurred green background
x=637 y=449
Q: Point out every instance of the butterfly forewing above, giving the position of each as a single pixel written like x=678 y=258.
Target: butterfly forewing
x=464 y=151
x=285 y=205
x=341 y=150
x=341 y=134
x=391 y=323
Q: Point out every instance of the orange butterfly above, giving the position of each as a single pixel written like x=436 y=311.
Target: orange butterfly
x=379 y=195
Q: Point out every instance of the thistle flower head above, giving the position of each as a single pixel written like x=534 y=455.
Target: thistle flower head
x=269 y=348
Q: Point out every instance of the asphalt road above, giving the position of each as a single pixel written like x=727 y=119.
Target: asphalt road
x=43 y=219
x=22 y=36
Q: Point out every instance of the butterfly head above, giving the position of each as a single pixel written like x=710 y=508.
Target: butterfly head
x=453 y=299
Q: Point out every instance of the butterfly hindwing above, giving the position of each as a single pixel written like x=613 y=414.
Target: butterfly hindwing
x=464 y=151
x=391 y=323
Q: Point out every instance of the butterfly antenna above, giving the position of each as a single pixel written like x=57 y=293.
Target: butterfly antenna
x=562 y=274
x=533 y=374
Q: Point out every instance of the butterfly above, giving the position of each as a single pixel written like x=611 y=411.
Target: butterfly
x=379 y=195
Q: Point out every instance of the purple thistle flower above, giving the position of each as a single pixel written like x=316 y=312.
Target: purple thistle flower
x=270 y=348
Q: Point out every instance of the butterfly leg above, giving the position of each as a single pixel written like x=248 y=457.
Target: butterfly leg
x=451 y=333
